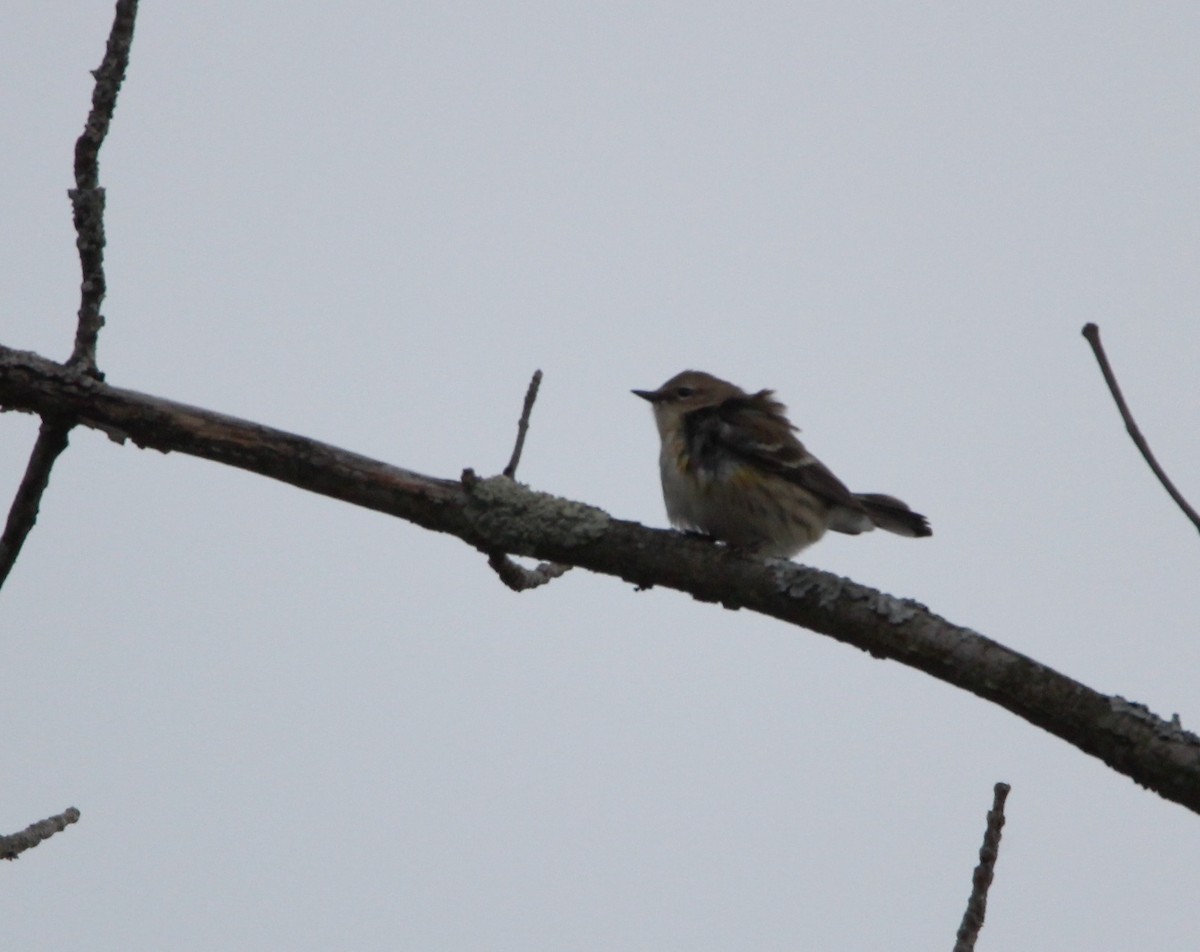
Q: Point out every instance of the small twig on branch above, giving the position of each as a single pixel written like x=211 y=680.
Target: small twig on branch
x=51 y=441
x=1092 y=333
x=13 y=846
x=972 y=920
x=87 y=197
x=523 y=424
x=517 y=577
x=521 y=579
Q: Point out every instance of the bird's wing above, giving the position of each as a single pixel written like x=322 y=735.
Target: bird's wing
x=754 y=430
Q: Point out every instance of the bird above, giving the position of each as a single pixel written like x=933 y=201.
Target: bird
x=732 y=469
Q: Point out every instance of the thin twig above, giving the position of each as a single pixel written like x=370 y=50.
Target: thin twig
x=972 y=920
x=13 y=846
x=87 y=197
x=1092 y=333
x=523 y=424
x=51 y=441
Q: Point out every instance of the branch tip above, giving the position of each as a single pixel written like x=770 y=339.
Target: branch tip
x=523 y=424
x=981 y=880
x=13 y=846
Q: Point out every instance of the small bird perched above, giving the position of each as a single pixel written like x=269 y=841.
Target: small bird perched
x=732 y=469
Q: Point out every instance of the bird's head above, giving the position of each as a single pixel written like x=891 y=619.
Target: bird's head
x=684 y=393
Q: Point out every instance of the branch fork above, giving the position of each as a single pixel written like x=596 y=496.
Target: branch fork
x=516 y=576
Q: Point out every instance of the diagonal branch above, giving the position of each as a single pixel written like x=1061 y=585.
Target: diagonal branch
x=87 y=197
x=15 y=844
x=51 y=441
x=981 y=881
x=500 y=514
x=1092 y=333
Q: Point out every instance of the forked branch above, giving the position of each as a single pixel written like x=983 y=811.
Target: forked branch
x=87 y=202
x=512 y=574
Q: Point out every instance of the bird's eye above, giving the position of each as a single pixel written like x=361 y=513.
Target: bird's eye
x=682 y=392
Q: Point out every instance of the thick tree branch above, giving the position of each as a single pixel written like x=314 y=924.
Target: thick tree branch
x=498 y=514
x=981 y=881
x=1092 y=333
x=15 y=844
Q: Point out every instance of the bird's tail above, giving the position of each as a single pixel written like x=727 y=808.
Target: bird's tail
x=888 y=512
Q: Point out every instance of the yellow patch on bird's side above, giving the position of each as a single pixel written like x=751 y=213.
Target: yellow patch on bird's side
x=744 y=476
x=729 y=475
x=683 y=462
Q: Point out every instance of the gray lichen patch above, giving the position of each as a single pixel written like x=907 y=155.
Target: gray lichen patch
x=516 y=517
x=896 y=611
x=800 y=582
x=1171 y=730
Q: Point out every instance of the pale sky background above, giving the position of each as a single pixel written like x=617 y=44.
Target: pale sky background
x=292 y=724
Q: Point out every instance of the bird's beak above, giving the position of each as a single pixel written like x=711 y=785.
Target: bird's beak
x=652 y=395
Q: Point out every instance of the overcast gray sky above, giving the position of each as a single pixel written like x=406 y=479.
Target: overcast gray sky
x=291 y=724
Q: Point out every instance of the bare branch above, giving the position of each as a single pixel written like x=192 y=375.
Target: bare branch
x=1092 y=333
x=981 y=881
x=87 y=197
x=13 y=846
x=499 y=514
x=51 y=441
x=523 y=425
